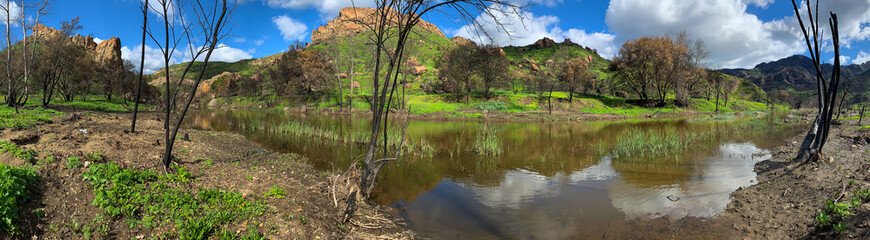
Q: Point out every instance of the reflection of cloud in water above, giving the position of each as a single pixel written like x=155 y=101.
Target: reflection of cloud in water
x=601 y=171
x=516 y=187
x=701 y=196
x=519 y=186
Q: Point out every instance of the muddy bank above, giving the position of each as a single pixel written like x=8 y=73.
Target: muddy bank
x=62 y=203
x=789 y=194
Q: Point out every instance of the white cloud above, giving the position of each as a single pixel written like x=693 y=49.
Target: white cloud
x=531 y=29
x=734 y=37
x=224 y=53
x=258 y=42
x=603 y=42
x=328 y=8
x=759 y=3
x=14 y=10
x=290 y=28
x=504 y=28
x=239 y=40
x=844 y=60
x=155 y=7
x=153 y=57
x=548 y=3
x=863 y=57
x=98 y=40
x=853 y=16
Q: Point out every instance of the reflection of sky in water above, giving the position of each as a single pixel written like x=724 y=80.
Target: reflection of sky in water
x=527 y=205
x=702 y=196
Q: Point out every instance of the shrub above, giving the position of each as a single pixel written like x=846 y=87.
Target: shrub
x=14 y=182
x=153 y=200
x=276 y=192
x=73 y=162
x=492 y=106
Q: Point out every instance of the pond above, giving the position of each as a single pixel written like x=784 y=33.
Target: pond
x=541 y=180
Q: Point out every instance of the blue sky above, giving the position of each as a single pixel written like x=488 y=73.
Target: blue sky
x=738 y=33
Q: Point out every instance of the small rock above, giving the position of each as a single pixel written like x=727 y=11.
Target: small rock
x=87 y=163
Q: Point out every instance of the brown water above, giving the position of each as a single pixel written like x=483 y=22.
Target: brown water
x=552 y=180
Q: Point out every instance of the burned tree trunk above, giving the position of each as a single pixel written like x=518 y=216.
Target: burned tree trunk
x=811 y=148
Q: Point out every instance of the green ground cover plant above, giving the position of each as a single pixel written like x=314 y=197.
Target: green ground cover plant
x=14 y=184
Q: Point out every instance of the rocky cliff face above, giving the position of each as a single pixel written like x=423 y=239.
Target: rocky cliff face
x=352 y=20
x=106 y=52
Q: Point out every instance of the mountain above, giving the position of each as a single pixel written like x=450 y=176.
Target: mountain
x=796 y=75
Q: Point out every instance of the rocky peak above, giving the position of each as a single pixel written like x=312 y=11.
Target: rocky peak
x=544 y=43
x=107 y=52
x=352 y=20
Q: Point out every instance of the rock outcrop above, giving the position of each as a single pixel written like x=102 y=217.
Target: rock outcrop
x=414 y=67
x=351 y=21
x=544 y=43
x=568 y=42
x=462 y=41
x=107 y=52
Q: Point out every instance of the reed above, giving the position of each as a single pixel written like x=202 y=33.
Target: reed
x=486 y=142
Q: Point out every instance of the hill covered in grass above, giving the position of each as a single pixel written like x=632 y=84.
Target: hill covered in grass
x=348 y=46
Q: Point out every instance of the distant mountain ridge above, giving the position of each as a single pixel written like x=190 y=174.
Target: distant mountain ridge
x=797 y=74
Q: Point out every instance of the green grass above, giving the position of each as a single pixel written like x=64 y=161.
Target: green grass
x=487 y=142
x=360 y=137
x=834 y=215
x=26 y=118
x=99 y=105
x=147 y=199
x=14 y=184
x=28 y=155
x=645 y=144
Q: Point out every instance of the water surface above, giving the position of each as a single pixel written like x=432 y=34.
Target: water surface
x=551 y=181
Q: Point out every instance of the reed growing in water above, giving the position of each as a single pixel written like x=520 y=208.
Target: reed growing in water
x=486 y=142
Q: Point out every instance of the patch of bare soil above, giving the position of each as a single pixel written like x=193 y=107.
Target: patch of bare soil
x=784 y=203
x=62 y=203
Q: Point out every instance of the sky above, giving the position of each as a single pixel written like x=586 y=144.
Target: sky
x=738 y=33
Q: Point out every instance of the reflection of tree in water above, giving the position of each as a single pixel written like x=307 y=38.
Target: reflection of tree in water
x=543 y=149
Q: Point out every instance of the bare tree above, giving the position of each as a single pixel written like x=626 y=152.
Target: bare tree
x=210 y=23
x=11 y=96
x=459 y=66
x=574 y=74
x=41 y=10
x=394 y=20
x=141 y=67
x=811 y=148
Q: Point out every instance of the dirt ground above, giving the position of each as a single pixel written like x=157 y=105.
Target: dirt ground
x=784 y=203
x=63 y=198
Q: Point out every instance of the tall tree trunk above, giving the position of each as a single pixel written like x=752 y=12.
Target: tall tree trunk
x=350 y=100
x=167 y=155
x=10 y=99
x=814 y=142
x=170 y=140
x=141 y=68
